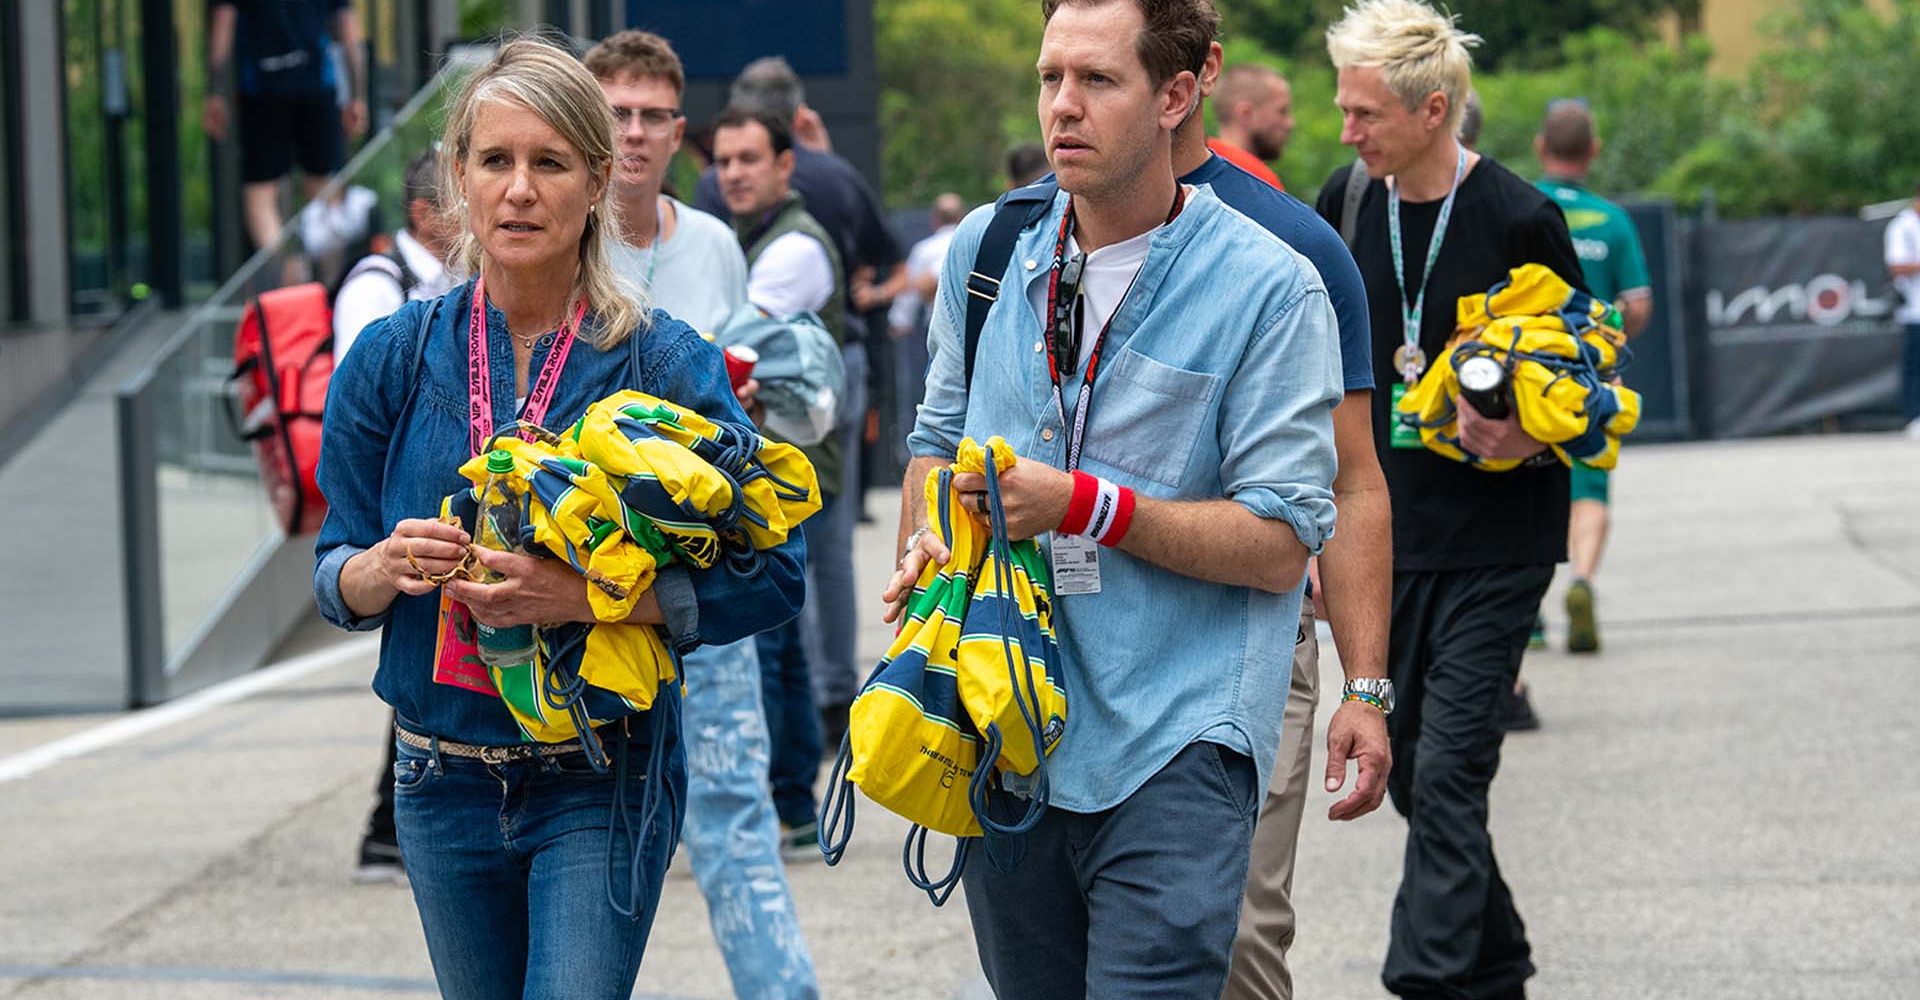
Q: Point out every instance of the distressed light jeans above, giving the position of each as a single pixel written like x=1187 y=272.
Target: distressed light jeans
x=731 y=833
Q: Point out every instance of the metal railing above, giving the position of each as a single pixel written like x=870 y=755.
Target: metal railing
x=211 y=580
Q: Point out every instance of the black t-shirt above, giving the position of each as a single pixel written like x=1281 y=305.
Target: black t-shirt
x=1447 y=514
x=280 y=46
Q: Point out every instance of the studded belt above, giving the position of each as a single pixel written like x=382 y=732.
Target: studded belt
x=492 y=755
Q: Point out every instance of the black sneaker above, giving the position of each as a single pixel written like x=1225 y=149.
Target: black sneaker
x=833 y=729
x=379 y=862
x=1517 y=711
x=1583 y=628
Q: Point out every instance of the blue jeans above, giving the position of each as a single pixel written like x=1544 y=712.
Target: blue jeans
x=829 y=624
x=793 y=725
x=510 y=871
x=1137 y=902
x=731 y=834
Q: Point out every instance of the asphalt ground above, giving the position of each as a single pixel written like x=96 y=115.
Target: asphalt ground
x=1723 y=803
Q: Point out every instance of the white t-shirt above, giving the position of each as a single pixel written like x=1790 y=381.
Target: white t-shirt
x=700 y=275
x=792 y=274
x=1104 y=280
x=374 y=292
x=925 y=258
x=1903 y=247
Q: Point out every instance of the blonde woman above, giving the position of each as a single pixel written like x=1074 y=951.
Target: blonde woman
x=535 y=874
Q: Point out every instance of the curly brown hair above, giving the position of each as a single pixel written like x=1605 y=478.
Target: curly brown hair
x=636 y=54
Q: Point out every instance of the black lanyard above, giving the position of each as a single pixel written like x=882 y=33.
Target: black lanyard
x=1063 y=321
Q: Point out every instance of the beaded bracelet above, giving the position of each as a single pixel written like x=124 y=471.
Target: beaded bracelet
x=1369 y=699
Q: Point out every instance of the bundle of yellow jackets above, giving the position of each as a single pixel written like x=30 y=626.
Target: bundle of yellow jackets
x=636 y=484
x=968 y=688
x=1561 y=348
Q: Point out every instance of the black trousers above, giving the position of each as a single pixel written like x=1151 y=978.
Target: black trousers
x=380 y=821
x=1453 y=652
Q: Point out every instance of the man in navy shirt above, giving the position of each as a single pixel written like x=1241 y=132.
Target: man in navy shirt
x=1353 y=584
x=291 y=109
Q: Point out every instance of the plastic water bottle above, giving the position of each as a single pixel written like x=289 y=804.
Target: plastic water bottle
x=498 y=527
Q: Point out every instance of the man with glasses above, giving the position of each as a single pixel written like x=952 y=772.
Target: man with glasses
x=690 y=265
x=686 y=259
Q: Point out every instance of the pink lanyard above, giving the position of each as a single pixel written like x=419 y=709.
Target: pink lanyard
x=480 y=379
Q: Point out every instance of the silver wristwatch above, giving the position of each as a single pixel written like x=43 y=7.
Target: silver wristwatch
x=1371 y=690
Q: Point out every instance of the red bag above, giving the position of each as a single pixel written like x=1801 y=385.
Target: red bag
x=282 y=361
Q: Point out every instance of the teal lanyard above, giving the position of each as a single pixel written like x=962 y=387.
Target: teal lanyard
x=1410 y=314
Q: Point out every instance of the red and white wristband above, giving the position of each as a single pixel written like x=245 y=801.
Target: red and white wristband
x=1100 y=510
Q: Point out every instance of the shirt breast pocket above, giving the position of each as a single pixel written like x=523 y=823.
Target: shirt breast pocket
x=1149 y=416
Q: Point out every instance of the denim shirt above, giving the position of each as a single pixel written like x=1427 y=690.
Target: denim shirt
x=1218 y=380
x=391 y=449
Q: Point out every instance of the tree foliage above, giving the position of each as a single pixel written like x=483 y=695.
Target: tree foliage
x=958 y=92
x=1517 y=33
x=1818 y=125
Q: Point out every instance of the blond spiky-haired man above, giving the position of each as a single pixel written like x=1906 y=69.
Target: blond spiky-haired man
x=1429 y=221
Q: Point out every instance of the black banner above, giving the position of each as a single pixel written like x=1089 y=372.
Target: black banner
x=1659 y=370
x=1799 y=324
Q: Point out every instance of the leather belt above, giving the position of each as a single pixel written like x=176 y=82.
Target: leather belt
x=491 y=755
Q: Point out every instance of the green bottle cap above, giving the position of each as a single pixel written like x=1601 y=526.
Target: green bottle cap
x=499 y=461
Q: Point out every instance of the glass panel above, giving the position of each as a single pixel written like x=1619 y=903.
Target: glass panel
x=106 y=172
x=196 y=153
x=214 y=516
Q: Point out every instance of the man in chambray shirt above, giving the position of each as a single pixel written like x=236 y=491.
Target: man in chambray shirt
x=1178 y=524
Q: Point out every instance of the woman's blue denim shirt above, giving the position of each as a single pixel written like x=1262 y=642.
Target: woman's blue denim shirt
x=391 y=449
x=1218 y=379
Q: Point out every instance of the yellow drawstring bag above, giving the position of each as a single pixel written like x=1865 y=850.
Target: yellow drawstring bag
x=636 y=484
x=1561 y=349
x=1008 y=652
x=975 y=655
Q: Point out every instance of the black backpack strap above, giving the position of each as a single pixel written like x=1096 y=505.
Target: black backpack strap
x=1015 y=211
x=1357 y=181
x=408 y=280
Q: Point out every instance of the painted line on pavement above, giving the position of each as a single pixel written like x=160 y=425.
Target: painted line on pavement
x=261 y=977
x=159 y=717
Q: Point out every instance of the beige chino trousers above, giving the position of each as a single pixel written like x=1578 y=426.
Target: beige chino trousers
x=1259 y=970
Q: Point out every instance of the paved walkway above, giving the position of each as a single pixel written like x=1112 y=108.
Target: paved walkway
x=1721 y=805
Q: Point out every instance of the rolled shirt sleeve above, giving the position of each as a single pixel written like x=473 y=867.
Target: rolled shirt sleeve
x=1276 y=419
x=364 y=400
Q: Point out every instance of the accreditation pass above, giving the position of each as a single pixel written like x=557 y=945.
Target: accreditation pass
x=1076 y=565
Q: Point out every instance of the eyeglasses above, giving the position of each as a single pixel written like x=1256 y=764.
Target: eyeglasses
x=656 y=121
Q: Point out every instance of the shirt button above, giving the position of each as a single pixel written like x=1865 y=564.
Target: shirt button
x=1046 y=434
x=1031 y=265
x=1039 y=345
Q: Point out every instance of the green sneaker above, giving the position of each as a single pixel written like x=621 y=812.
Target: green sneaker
x=1537 y=639
x=800 y=843
x=1583 y=630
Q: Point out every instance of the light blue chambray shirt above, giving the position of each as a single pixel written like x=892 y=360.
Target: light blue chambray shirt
x=1218 y=379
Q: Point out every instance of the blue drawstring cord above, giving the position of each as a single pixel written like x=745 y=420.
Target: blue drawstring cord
x=621 y=821
x=1005 y=841
x=913 y=857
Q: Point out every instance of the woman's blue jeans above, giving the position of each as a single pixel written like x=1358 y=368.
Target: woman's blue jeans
x=510 y=870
